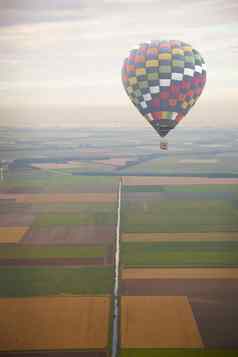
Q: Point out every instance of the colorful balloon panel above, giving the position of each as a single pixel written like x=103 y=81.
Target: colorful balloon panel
x=164 y=80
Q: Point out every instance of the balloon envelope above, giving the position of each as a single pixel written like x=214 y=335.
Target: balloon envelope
x=164 y=79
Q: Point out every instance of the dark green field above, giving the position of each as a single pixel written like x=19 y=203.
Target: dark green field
x=181 y=188
x=41 y=251
x=181 y=254
x=179 y=353
x=51 y=182
x=180 y=216
x=43 y=281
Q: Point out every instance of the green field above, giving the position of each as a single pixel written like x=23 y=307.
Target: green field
x=86 y=217
x=43 y=281
x=179 y=216
x=185 y=188
x=54 y=182
x=180 y=254
x=41 y=251
x=179 y=352
x=106 y=209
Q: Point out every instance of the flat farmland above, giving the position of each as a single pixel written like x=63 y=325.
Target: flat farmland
x=58 y=353
x=58 y=262
x=212 y=294
x=180 y=273
x=56 y=255
x=70 y=234
x=176 y=181
x=12 y=234
x=45 y=281
x=197 y=282
x=47 y=252
x=93 y=208
x=16 y=219
x=201 y=289
x=180 y=237
x=147 y=197
x=33 y=181
x=191 y=165
x=166 y=352
x=155 y=321
x=54 y=323
x=185 y=188
x=71 y=219
x=7 y=206
x=179 y=216
x=111 y=163
x=58 y=166
x=115 y=161
x=82 y=168
x=61 y=197
x=82 y=184
x=180 y=254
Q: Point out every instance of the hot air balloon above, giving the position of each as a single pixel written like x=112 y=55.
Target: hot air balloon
x=164 y=79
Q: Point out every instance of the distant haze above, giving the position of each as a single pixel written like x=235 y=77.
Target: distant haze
x=61 y=60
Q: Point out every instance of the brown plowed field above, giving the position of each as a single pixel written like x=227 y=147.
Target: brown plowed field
x=208 y=288
x=163 y=180
x=83 y=233
x=183 y=237
x=85 y=353
x=213 y=302
x=158 y=322
x=55 y=262
x=217 y=320
x=54 y=323
x=25 y=189
x=16 y=219
x=61 y=198
x=180 y=273
x=12 y=234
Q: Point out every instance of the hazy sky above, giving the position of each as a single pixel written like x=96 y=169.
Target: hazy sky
x=65 y=55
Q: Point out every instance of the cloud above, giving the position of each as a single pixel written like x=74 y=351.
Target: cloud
x=39 y=5
x=171 y=11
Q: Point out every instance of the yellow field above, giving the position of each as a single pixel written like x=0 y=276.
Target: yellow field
x=181 y=273
x=153 y=181
x=62 y=198
x=54 y=323
x=12 y=234
x=158 y=322
x=174 y=237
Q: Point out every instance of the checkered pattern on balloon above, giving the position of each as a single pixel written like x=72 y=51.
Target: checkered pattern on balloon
x=164 y=79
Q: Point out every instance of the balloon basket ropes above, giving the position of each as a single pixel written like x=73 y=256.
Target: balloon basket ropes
x=164 y=145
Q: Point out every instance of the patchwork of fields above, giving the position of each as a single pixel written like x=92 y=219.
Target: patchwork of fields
x=57 y=237
x=179 y=267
